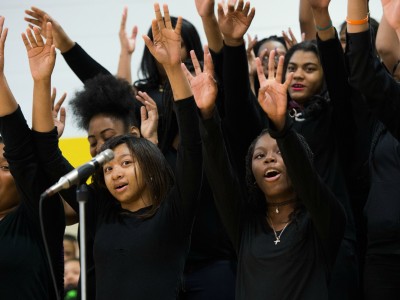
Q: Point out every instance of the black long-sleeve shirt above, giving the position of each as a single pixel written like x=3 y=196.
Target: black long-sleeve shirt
x=298 y=267
x=381 y=92
x=24 y=266
x=134 y=257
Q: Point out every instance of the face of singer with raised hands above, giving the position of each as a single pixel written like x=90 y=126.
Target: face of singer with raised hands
x=103 y=127
x=124 y=179
x=9 y=197
x=307 y=76
x=269 y=170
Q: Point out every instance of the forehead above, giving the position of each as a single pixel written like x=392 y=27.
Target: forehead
x=102 y=122
x=271 y=45
x=121 y=150
x=266 y=142
x=301 y=57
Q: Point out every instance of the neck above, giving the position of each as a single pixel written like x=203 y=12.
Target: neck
x=142 y=201
x=5 y=212
x=279 y=212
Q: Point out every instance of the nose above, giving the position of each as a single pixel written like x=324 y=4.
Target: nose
x=298 y=73
x=98 y=147
x=269 y=158
x=116 y=172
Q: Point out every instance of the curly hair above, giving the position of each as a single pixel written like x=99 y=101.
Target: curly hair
x=105 y=94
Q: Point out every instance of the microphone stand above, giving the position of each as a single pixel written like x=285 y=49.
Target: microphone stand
x=82 y=197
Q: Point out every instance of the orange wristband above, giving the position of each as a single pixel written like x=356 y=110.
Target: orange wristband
x=358 y=22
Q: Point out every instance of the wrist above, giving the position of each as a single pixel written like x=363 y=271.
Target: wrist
x=66 y=45
x=153 y=139
x=208 y=18
x=207 y=113
x=232 y=42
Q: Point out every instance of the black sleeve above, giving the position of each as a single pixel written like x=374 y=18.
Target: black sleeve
x=241 y=122
x=326 y=212
x=217 y=59
x=189 y=161
x=369 y=76
x=54 y=163
x=82 y=64
x=222 y=179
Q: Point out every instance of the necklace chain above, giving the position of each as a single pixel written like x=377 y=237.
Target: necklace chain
x=278 y=236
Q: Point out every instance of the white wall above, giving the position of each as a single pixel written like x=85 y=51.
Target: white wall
x=95 y=24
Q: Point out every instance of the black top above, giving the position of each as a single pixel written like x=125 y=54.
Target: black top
x=381 y=93
x=298 y=267
x=134 y=257
x=209 y=240
x=323 y=121
x=24 y=267
x=370 y=77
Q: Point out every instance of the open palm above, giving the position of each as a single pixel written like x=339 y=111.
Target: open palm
x=41 y=55
x=391 y=11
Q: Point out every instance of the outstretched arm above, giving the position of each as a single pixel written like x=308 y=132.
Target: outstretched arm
x=322 y=19
x=166 y=47
x=388 y=44
x=326 y=212
x=306 y=20
x=239 y=101
x=205 y=9
x=7 y=100
x=42 y=58
x=216 y=162
x=366 y=72
x=39 y=18
x=128 y=45
x=81 y=63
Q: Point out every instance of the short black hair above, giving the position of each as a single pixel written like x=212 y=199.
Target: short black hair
x=105 y=94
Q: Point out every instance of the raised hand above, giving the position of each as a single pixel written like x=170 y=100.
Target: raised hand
x=251 y=57
x=3 y=37
x=42 y=55
x=235 y=22
x=59 y=113
x=166 y=44
x=205 y=8
x=128 y=42
x=290 y=38
x=149 y=117
x=272 y=95
x=39 y=18
x=203 y=84
x=391 y=11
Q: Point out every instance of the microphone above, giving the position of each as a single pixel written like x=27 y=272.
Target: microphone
x=80 y=174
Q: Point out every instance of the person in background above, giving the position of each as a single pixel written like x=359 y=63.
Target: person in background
x=29 y=269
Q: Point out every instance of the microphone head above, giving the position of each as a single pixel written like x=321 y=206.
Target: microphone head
x=108 y=155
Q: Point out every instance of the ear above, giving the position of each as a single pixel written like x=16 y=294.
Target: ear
x=134 y=131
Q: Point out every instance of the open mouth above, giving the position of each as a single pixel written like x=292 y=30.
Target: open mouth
x=120 y=187
x=271 y=175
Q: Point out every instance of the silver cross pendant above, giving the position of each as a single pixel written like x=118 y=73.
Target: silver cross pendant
x=277 y=241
